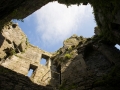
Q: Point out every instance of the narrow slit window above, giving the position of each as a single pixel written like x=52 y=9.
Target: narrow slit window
x=30 y=72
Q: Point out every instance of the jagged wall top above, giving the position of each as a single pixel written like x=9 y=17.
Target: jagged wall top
x=106 y=13
x=17 y=54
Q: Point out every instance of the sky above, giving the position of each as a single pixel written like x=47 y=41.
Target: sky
x=49 y=26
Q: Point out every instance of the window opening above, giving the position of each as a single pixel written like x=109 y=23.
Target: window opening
x=117 y=46
x=32 y=70
x=44 y=60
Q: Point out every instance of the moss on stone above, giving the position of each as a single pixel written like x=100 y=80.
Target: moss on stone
x=12 y=52
x=67 y=56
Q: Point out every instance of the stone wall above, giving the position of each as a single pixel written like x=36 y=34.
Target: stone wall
x=30 y=59
x=82 y=64
x=19 y=56
x=88 y=66
x=19 y=9
x=106 y=19
x=10 y=80
x=12 y=40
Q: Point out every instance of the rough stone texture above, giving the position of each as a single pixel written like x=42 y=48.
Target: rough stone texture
x=81 y=64
x=97 y=31
x=10 y=80
x=12 y=39
x=71 y=69
x=30 y=59
x=103 y=16
x=18 y=55
x=73 y=40
x=89 y=68
x=108 y=20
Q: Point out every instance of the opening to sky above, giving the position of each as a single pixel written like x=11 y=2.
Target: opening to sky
x=117 y=46
x=30 y=72
x=49 y=26
x=43 y=61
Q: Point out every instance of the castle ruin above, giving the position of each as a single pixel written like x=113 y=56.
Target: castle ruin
x=81 y=64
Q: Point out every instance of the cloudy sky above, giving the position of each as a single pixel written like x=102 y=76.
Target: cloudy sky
x=49 y=26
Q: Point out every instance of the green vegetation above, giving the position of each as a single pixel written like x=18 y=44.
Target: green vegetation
x=27 y=41
x=69 y=48
x=67 y=56
x=12 y=52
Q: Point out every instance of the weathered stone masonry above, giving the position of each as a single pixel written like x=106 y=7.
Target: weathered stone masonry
x=87 y=65
x=10 y=80
x=106 y=13
x=81 y=64
x=21 y=61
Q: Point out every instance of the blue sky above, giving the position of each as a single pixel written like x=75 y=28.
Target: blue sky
x=49 y=26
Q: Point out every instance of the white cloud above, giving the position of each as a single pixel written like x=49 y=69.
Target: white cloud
x=56 y=22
